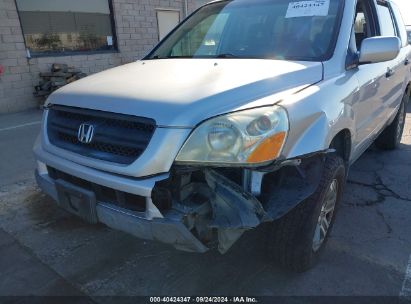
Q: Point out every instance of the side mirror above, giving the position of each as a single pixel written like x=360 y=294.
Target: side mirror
x=379 y=49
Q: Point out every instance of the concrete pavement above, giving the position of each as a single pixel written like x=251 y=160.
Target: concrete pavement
x=23 y=273
x=17 y=135
x=368 y=252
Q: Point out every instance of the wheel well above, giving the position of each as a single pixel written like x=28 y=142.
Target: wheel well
x=408 y=89
x=342 y=144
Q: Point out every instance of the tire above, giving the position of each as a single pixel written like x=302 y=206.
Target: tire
x=290 y=239
x=390 y=138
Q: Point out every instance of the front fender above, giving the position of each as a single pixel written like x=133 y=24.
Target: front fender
x=312 y=138
x=318 y=113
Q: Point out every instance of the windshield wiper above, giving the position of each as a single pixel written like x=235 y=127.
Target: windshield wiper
x=169 y=57
x=226 y=55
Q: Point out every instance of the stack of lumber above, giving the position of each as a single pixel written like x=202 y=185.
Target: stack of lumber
x=60 y=75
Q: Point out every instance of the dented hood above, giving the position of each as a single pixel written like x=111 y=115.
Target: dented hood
x=184 y=92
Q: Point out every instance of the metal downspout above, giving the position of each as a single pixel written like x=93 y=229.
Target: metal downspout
x=185 y=8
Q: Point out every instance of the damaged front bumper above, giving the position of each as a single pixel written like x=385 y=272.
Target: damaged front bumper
x=170 y=230
x=174 y=226
x=192 y=209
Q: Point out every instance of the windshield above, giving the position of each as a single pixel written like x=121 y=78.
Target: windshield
x=268 y=29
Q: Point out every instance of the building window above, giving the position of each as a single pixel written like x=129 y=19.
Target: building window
x=61 y=26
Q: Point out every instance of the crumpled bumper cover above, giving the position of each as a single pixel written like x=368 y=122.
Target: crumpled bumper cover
x=229 y=210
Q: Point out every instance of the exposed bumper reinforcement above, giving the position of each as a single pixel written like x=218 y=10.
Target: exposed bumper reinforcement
x=169 y=230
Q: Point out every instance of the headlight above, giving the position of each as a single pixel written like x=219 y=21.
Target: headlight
x=248 y=137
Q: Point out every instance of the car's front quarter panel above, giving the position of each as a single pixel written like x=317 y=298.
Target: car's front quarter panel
x=319 y=113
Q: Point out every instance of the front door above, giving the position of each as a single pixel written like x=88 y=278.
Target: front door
x=368 y=108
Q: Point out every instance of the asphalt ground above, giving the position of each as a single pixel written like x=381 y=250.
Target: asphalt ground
x=45 y=251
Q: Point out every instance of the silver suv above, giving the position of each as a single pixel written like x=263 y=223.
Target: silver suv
x=249 y=112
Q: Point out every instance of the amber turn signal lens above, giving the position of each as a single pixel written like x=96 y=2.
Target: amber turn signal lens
x=269 y=149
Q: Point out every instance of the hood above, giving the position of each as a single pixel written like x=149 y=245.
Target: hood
x=184 y=92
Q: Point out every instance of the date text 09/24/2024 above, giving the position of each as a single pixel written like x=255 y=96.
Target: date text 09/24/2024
x=203 y=300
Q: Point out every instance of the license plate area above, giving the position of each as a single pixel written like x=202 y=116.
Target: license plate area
x=77 y=201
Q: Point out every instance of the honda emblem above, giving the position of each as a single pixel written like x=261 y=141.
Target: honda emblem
x=85 y=133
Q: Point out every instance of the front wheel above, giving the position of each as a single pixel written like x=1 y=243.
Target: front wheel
x=297 y=239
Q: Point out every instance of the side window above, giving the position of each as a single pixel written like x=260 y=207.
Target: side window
x=387 y=27
x=364 y=26
x=360 y=28
x=400 y=24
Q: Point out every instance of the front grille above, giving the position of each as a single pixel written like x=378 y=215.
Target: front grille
x=103 y=194
x=117 y=138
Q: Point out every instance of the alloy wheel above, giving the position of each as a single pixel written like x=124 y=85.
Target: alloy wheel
x=326 y=215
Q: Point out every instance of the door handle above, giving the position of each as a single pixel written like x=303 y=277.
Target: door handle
x=389 y=73
x=407 y=62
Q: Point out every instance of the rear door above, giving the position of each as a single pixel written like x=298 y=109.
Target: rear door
x=405 y=54
x=392 y=85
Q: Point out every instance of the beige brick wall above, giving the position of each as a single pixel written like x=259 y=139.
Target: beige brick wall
x=137 y=33
x=16 y=84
